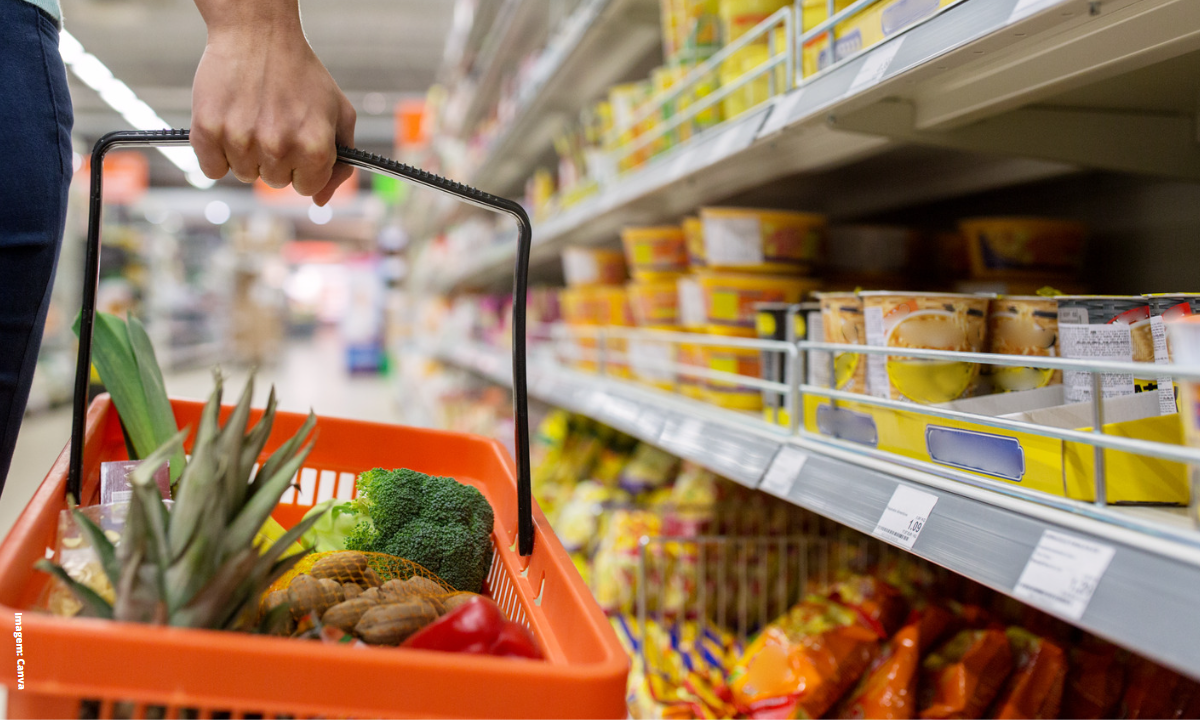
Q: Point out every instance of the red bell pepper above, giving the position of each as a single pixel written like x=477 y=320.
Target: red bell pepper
x=476 y=627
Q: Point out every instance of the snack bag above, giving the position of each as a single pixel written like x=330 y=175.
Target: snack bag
x=801 y=663
x=889 y=688
x=1095 y=680
x=962 y=677
x=1035 y=688
x=1156 y=692
x=880 y=605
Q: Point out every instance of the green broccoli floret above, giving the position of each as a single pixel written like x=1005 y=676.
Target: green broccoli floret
x=438 y=522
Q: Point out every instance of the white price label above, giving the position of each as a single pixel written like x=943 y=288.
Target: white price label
x=784 y=471
x=781 y=114
x=1025 y=8
x=876 y=65
x=905 y=516
x=1162 y=356
x=1063 y=572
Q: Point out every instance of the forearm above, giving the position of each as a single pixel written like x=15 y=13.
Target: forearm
x=250 y=17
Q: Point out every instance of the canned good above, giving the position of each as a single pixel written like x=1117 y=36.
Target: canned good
x=927 y=321
x=1105 y=327
x=1023 y=325
x=729 y=299
x=769 y=241
x=842 y=322
x=655 y=251
x=785 y=322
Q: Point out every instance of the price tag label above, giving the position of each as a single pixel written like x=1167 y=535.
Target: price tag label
x=1063 y=572
x=876 y=65
x=905 y=516
x=1025 y=8
x=784 y=471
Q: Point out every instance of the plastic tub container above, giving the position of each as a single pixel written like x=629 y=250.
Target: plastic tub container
x=649 y=360
x=693 y=233
x=930 y=321
x=1185 y=343
x=692 y=315
x=1105 y=327
x=729 y=298
x=583 y=267
x=1023 y=325
x=655 y=303
x=768 y=241
x=842 y=322
x=1000 y=247
x=655 y=252
x=730 y=395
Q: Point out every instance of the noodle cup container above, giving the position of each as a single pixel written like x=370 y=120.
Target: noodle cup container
x=1185 y=344
x=1107 y=328
x=653 y=251
x=729 y=298
x=693 y=233
x=1167 y=309
x=842 y=322
x=654 y=303
x=583 y=267
x=730 y=395
x=1023 y=325
x=926 y=321
x=1001 y=247
x=691 y=355
x=769 y=241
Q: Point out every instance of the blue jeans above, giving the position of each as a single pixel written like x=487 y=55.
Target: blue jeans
x=35 y=172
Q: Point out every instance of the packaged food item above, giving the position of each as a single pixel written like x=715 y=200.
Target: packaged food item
x=1014 y=246
x=769 y=241
x=871 y=250
x=1105 y=327
x=880 y=606
x=1026 y=325
x=931 y=321
x=1166 y=308
x=737 y=360
x=788 y=323
x=739 y=69
x=116 y=488
x=962 y=677
x=691 y=312
x=693 y=232
x=801 y=663
x=888 y=689
x=866 y=28
x=740 y=16
x=1185 y=342
x=651 y=361
x=842 y=322
x=1035 y=688
x=1152 y=691
x=591 y=266
x=691 y=355
x=653 y=251
x=729 y=298
x=1095 y=680
x=654 y=303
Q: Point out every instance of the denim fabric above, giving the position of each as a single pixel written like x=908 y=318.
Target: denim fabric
x=35 y=172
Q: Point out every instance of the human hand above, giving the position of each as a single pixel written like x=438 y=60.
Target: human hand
x=263 y=105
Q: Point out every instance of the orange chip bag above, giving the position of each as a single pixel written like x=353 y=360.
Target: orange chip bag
x=1156 y=692
x=1095 y=680
x=881 y=606
x=962 y=677
x=801 y=663
x=889 y=688
x=1035 y=688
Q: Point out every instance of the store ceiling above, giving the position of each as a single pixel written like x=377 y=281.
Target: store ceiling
x=379 y=51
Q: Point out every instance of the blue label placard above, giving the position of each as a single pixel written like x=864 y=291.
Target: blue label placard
x=847 y=425
x=997 y=455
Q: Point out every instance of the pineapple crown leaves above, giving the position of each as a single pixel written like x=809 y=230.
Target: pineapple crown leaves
x=197 y=565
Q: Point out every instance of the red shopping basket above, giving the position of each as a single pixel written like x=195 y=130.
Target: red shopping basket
x=66 y=667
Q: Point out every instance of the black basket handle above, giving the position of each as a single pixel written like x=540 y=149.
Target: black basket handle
x=349 y=156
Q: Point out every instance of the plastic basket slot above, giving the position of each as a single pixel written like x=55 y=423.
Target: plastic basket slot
x=326 y=485
x=345 y=488
x=308 y=487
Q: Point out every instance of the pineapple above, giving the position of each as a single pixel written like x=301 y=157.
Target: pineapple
x=197 y=565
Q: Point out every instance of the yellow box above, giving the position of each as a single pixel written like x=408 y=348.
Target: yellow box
x=1027 y=460
x=866 y=28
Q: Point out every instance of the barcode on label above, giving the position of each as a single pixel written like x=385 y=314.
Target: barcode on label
x=906 y=515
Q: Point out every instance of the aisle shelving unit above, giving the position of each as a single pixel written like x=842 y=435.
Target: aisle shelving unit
x=1036 y=86
x=984 y=530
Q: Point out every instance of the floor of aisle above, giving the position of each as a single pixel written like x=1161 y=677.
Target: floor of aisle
x=310 y=374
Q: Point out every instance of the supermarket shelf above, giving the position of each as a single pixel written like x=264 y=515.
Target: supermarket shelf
x=983 y=530
x=1053 y=82
x=598 y=46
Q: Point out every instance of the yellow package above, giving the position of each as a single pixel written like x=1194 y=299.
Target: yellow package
x=866 y=28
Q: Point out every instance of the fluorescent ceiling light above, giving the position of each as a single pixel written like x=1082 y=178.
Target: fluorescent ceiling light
x=120 y=97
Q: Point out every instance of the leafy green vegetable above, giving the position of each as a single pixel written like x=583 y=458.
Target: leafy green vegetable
x=442 y=524
x=336 y=522
x=128 y=367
